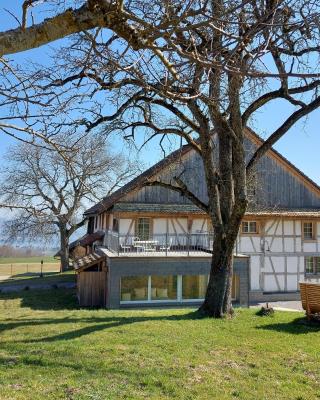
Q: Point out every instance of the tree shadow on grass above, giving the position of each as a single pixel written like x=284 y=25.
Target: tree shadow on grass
x=94 y=324
x=65 y=299
x=44 y=299
x=33 y=280
x=296 y=327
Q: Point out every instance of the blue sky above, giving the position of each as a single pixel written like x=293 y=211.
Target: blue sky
x=301 y=145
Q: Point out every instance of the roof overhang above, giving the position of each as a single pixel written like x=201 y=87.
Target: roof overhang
x=88 y=261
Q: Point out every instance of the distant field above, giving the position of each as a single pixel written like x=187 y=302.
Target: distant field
x=21 y=268
x=33 y=279
x=26 y=260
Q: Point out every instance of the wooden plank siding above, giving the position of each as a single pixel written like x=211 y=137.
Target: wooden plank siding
x=91 y=288
x=277 y=184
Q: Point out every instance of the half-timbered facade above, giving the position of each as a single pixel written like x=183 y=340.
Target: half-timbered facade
x=161 y=242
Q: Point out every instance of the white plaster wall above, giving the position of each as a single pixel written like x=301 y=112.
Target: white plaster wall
x=309 y=247
x=274 y=244
x=298 y=227
x=197 y=225
x=293 y=264
x=124 y=225
x=278 y=227
x=298 y=244
x=270 y=284
x=255 y=273
x=269 y=227
x=288 y=227
x=288 y=245
x=183 y=223
x=159 y=226
x=250 y=244
x=292 y=283
x=277 y=262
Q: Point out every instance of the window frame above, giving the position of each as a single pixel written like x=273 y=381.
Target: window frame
x=314 y=231
x=315 y=261
x=179 y=298
x=150 y=227
x=249 y=233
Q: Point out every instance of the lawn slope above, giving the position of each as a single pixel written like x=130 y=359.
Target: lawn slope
x=51 y=349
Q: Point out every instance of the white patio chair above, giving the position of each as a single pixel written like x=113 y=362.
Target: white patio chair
x=165 y=246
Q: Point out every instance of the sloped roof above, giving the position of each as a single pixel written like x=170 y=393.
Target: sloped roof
x=157 y=207
x=85 y=240
x=137 y=182
x=88 y=260
x=108 y=201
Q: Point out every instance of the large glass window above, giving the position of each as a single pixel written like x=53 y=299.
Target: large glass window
x=164 y=287
x=143 y=228
x=134 y=288
x=194 y=286
x=235 y=287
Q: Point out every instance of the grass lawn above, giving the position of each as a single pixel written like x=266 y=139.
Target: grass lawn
x=28 y=279
x=50 y=349
x=26 y=260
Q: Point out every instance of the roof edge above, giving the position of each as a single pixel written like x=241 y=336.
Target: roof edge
x=108 y=201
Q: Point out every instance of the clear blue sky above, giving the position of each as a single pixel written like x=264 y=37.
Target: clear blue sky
x=301 y=145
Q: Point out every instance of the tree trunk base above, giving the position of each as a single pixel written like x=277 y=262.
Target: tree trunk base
x=210 y=312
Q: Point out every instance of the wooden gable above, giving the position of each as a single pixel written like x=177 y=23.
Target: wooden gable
x=278 y=183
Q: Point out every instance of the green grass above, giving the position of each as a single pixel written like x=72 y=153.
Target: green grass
x=26 y=260
x=50 y=349
x=33 y=279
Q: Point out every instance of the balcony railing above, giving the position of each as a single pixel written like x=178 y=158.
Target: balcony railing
x=158 y=244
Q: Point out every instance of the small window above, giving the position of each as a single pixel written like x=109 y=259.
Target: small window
x=249 y=227
x=308 y=231
x=143 y=228
x=312 y=265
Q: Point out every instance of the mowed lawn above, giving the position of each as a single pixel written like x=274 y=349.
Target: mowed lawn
x=50 y=349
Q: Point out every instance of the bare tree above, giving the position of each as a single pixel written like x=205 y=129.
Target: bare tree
x=50 y=191
x=198 y=70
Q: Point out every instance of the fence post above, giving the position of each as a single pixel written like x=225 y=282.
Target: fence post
x=166 y=244
x=188 y=242
x=41 y=274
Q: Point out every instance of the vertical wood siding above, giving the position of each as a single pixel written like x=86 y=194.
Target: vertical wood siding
x=276 y=186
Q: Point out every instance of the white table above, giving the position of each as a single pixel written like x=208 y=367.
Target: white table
x=145 y=245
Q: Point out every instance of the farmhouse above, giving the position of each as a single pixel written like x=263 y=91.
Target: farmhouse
x=156 y=244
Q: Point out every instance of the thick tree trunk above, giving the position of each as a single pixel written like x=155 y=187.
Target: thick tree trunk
x=217 y=302
x=64 y=248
